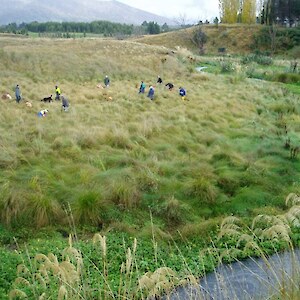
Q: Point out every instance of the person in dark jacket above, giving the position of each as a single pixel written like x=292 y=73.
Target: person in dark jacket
x=106 y=81
x=182 y=93
x=151 y=93
x=18 y=94
x=170 y=86
x=159 y=80
x=65 y=103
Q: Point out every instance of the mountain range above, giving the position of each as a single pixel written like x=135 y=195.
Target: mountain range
x=26 y=11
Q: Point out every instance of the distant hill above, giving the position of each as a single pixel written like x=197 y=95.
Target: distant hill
x=74 y=10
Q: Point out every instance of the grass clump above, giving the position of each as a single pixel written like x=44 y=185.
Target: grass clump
x=124 y=193
x=203 y=189
x=89 y=208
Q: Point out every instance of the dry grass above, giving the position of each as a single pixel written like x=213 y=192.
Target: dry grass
x=116 y=153
x=235 y=38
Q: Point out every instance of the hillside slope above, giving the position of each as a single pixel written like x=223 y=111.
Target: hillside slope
x=235 y=38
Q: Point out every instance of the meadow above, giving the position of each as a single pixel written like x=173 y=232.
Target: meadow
x=165 y=172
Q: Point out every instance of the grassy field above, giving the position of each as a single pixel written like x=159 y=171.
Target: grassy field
x=133 y=166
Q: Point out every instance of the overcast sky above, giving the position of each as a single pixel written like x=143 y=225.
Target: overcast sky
x=191 y=10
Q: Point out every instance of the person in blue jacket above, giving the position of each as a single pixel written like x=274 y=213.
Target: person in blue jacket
x=182 y=93
x=151 y=93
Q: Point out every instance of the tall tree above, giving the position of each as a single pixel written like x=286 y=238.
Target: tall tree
x=229 y=10
x=248 y=11
x=280 y=11
x=199 y=38
x=233 y=11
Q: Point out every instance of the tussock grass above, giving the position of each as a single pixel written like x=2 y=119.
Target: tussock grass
x=209 y=156
x=108 y=163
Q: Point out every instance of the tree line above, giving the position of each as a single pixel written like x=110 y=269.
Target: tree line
x=285 y=12
x=105 y=28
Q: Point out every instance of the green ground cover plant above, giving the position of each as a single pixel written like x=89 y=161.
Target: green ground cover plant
x=119 y=266
x=256 y=66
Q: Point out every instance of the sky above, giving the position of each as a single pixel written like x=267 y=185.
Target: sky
x=187 y=10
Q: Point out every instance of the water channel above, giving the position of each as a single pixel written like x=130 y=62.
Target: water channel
x=253 y=278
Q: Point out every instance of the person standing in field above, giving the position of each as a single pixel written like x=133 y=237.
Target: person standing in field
x=106 y=81
x=142 y=88
x=65 y=103
x=18 y=94
x=57 y=93
x=151 y=93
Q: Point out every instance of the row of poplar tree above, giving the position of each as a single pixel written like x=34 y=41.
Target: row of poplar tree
x=265 y=11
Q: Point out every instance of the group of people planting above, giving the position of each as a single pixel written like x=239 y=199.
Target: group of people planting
x=43 y=112
x=169 y=85
x=65 y=102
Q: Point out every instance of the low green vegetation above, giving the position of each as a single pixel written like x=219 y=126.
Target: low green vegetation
x=117 y=265
x=256 y=66
x=165 y=172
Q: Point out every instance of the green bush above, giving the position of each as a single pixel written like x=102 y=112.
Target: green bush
x=227 y=67
x=287 y=78
x=263 y=60
x=258 y=58
x=8 y=264
x=286 y=38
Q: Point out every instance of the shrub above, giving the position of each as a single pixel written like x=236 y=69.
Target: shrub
x=287 y=78
x=247 y=59
x=263 y=60
x=260 y=59
x=295 y=52
x=251 y=72
x=202 y=229
x=259 y=110
x=227 y=67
